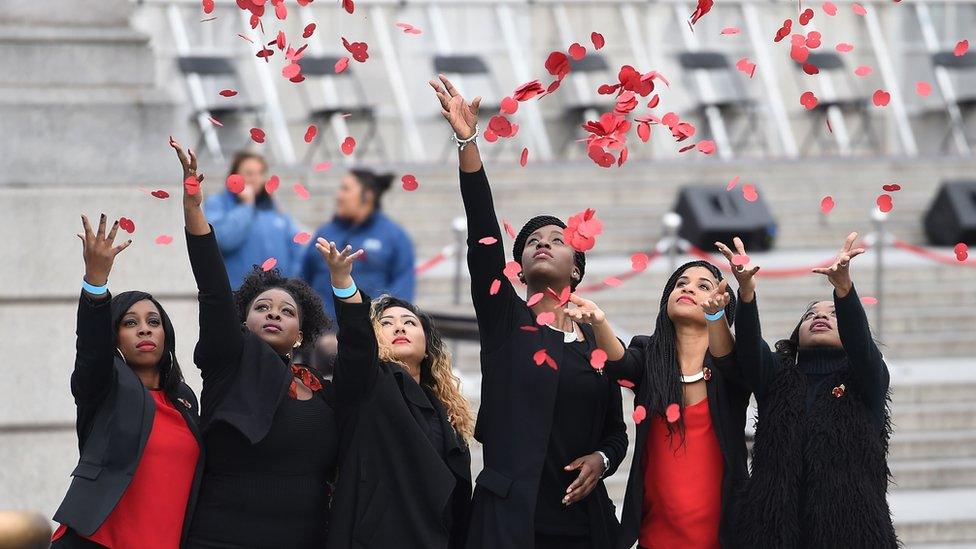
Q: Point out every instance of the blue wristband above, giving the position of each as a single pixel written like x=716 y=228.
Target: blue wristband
x=715 y=316
x=94 y=290
x=344 y=293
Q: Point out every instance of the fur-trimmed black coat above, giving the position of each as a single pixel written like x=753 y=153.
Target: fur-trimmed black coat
x=819 y=467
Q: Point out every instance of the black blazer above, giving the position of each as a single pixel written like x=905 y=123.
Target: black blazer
x=394 y=488
x=244 y=379
x=517 y=398
x=728 y=400
x=115 y=414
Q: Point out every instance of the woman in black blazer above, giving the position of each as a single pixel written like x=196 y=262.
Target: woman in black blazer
x=139 y=468
x=268 y=424
x=405 y=477
x=551 y=425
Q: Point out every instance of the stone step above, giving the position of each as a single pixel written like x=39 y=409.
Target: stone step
x=934 y=416
x=934 y=516
x=934 y=473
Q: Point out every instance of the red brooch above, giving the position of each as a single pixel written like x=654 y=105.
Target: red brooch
x=707 y=373
x=307 y=377
x=839 y=391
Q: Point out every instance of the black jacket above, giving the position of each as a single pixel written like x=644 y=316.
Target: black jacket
x=517 y=398
x=819 y=470
x=115 y=414
x=244 y=379
x=394 y=489
x=728 y=400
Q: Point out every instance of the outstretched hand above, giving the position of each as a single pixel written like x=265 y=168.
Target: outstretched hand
x=585 y=311
x=98 y=251
x=191 y=181
x=340 y=262
x=718 y=300
x=460 y=114
x=745 y=273
x=839 y=274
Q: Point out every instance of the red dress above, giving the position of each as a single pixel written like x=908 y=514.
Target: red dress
x=682 y=484
x=150 y=513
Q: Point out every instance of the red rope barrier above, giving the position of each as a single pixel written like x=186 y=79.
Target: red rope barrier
x=938 y=258
x=434 y=261
x=602 y=285
x=722 y=264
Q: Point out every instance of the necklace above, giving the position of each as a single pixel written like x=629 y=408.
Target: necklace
x=568 y=337
x=704 y=373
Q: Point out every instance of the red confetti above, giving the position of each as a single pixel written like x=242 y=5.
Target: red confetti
x=577 y=51
x=347 y=5
x=673 y=413
x=528 y=90
x=881 y=98
x=488 y=240
x=749 y=193
x=745 y=66
x=923 y=88
x=535 y=298
x=191 y=185
x=348 y=146
x=310 y=133
x=271 y=185
x=962 y=251
x=893 y=187
x=512 y=269
x=300 y=190
x=257 y=134
x=228 y=93
x=582 y=230
x=740 y=259
x=127 y=225
x=704 y=6
x=341 y=64
x=528 y=328
x=495 y=286
x=639 y=261
x=408 y=28
x=597 y=40
x=868 y=300
x=598 y=359
x=639 y=414
x=322 y=166
x=730 y=31
x=827 y=204
x=862 y=70
x=808 y=100
x=706 y=147
x=625 y=383
x=409 y=182
x=509 y=229
x=806 y=16
x=164 y=240
x=357 y=49
x=214 y=121
x=884 y=203
x=302 y=237
x=208 y=6
x=558 y=64
x=281 y=11
x=160 y=194
x=544 y=318
x=235 y=183
x=269 y=264
x=525 y=157
x=309 y=29
x=811 y=69
x=844 y=47
x=612 y=281
x=732 y=184
x=829 y=8
x=961 y=48
x=859 y=9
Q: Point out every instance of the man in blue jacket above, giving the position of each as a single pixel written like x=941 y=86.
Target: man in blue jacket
x=248 y=225
x=387 y=267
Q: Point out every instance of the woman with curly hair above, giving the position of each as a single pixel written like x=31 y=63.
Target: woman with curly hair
x=270 y=432
x=819 y=463
x=406 y=468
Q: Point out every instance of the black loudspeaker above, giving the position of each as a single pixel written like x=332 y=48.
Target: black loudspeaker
x=713 y=214
x=952 y=216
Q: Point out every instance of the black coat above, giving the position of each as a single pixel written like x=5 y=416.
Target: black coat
x=518 y=397
x=115 y=414
x=394 y=489
x=728 y=400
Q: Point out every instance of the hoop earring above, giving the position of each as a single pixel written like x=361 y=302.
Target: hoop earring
x=121 y=355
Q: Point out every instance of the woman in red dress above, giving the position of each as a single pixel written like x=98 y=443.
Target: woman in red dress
x=136 y=422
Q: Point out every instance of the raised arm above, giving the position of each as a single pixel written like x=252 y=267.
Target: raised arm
x=94 y=345
x=221 y=339
x=868 y=369
x=720 y=341
x=486 y=262
x=357 y=360
x=754 y=361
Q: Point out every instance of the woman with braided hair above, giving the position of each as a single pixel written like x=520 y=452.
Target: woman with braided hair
x=819 y=462
x=551 y=425
x=690 y=453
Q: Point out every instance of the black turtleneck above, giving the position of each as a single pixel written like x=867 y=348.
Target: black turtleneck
x=817 y=363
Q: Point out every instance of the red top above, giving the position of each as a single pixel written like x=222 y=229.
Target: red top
x=151 y=511
x=682 y=483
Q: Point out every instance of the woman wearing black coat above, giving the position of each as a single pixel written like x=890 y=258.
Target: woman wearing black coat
x=269 y=427
x=819 y=464
x=690 y=455
x=405 y=473
x=551 y=425
x=135 y=482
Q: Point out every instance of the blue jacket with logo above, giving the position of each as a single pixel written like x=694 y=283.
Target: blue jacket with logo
x=248 y=234
x=386 y=267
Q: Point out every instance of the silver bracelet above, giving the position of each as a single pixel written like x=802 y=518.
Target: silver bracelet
x=461 y=143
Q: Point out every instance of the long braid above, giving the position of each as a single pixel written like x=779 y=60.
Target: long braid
x=662 y=372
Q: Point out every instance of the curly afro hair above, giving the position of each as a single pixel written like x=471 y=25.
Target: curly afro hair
x=312 y=317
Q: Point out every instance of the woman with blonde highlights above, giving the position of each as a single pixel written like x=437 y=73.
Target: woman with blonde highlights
x=405 y=473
